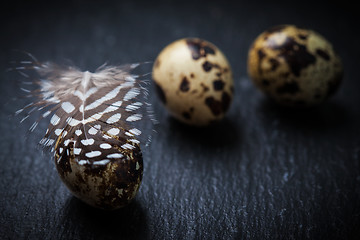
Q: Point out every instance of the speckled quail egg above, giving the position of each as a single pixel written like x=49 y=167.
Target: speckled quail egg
x=194 y=81
x=109 y=186
x=294 y=66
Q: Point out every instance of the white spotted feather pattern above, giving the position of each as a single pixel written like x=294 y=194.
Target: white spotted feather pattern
x=92 y=114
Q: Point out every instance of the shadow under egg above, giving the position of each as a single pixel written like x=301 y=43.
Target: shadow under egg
x=325 y=117
x=222 y=134
x=92 y=223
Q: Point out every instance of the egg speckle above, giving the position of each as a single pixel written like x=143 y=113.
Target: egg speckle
x=294 y=66
x=109 y=186
x=193 y=79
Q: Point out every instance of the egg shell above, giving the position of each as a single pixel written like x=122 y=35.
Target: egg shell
x=194 y=81
x=294 y=66
x=109 y=186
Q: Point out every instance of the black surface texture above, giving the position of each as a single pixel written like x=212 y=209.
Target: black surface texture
x=264 y=172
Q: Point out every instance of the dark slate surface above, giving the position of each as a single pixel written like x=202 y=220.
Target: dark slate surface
x=263 y=173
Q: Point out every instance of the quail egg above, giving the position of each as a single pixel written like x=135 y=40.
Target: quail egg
x=194 y=81
x=294 y=66
x=110 y=186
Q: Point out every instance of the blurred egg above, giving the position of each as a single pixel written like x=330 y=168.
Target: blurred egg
x=294 y=66
x=194 y=81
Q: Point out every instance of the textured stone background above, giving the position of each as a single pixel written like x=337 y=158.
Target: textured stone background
x=263 y=173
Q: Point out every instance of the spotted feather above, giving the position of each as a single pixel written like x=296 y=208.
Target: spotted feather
x=93 y=123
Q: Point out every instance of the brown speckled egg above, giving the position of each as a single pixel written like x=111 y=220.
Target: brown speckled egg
x=110 y=186
x=294 y=66
x=194 y=81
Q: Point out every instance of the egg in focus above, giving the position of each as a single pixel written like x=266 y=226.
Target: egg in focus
x=110 y=187
x=194 y=81
x=294 y=66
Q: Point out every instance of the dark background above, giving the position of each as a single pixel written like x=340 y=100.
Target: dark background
x=263 y=173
